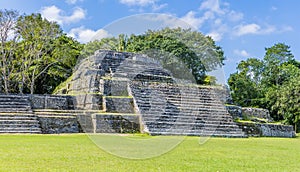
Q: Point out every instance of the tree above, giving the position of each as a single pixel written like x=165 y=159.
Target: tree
x=245 y=83
x=177 y=50
x=288 y=98
x=65 y=52
x=268 y=83
x=274 y=57
x=8 y=20
x=45 y=54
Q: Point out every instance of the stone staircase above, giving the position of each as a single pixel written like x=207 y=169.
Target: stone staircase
x=164 y=107
x=16 y=115
x=170 y=109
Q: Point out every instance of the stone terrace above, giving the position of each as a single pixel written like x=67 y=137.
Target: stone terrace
x=135 y=86
x=16 y=115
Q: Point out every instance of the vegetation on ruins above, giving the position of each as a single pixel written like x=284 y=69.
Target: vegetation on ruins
x=36 y=56
x=271 y=83
x=182 y=50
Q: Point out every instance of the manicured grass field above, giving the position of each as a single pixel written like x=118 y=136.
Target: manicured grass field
x=78 y=153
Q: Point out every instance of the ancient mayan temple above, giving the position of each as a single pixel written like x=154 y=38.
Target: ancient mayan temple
x=126 y=92
x=113 y=92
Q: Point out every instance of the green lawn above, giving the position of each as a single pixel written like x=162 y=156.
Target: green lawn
x=78 y=153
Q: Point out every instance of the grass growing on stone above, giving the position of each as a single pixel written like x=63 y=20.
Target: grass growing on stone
x=78 y=153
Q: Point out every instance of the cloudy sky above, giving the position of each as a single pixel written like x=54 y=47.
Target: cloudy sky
x=243 y=28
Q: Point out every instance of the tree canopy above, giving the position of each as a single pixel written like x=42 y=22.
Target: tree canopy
x=177 y=49
x=39 y=56
x=271 y=83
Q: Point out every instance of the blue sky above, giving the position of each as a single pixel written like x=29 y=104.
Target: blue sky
x=243 y=28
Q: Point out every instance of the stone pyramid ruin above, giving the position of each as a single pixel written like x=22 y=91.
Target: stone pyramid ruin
x=126 y=92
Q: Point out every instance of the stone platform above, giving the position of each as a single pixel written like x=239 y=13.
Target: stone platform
x=113 y=92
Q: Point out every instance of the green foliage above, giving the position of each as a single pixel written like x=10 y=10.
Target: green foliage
x=271 y=83
x=182 y=51
x=41 y=56
x=244 y=84
x=8 y=20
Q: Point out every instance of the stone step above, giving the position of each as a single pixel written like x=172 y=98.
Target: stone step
x=13 y=96
x=18 y=110
x=21 y=130
x=66 y=111
x=184 y=112
x=186 y=116
x=15 y=106
x=179 y=102
x=208 y=134
x=176 y=91
x=19 y=121
x=192 y=130
x=15 y=103
x=179 y=125
x=185 y=109
x=190 y=121
x=19 y=125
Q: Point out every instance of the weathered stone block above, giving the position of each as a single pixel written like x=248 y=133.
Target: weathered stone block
x=51 y=102
x=117 y=124
x=86 y=123
x=257 y=112
x=119 y=105
x=235 y=111
x=267 y=130
x=54 y=124
x=88 y=101
x=115 y=88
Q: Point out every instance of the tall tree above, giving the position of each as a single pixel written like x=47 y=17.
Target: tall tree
x=264 y=82
x=46 y=53
x=37 y=36
x=8 y=20
x=245 y=83
x=288 y=96
x=65 y=52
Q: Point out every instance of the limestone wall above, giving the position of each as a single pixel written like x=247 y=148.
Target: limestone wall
x=257 y=112
x=235 y=111
x=119 y=105
x=109 y=123
x=55 y=124
x=51 y=102
x=267 y=130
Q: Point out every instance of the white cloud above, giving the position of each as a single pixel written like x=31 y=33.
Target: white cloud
x=138 y=2
x=259 y=30
x=141 y=4
x=197 y=22
x=52 y=13
x=216 y=36
x=163 y=20
x=212 y=5
x=84 y=35
x=235 y=16
x=71 y=1
x=273 y=8
x=157 y=7
x=286 y=29
x=247 y=29
x=242 y=53
x=191 y=19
